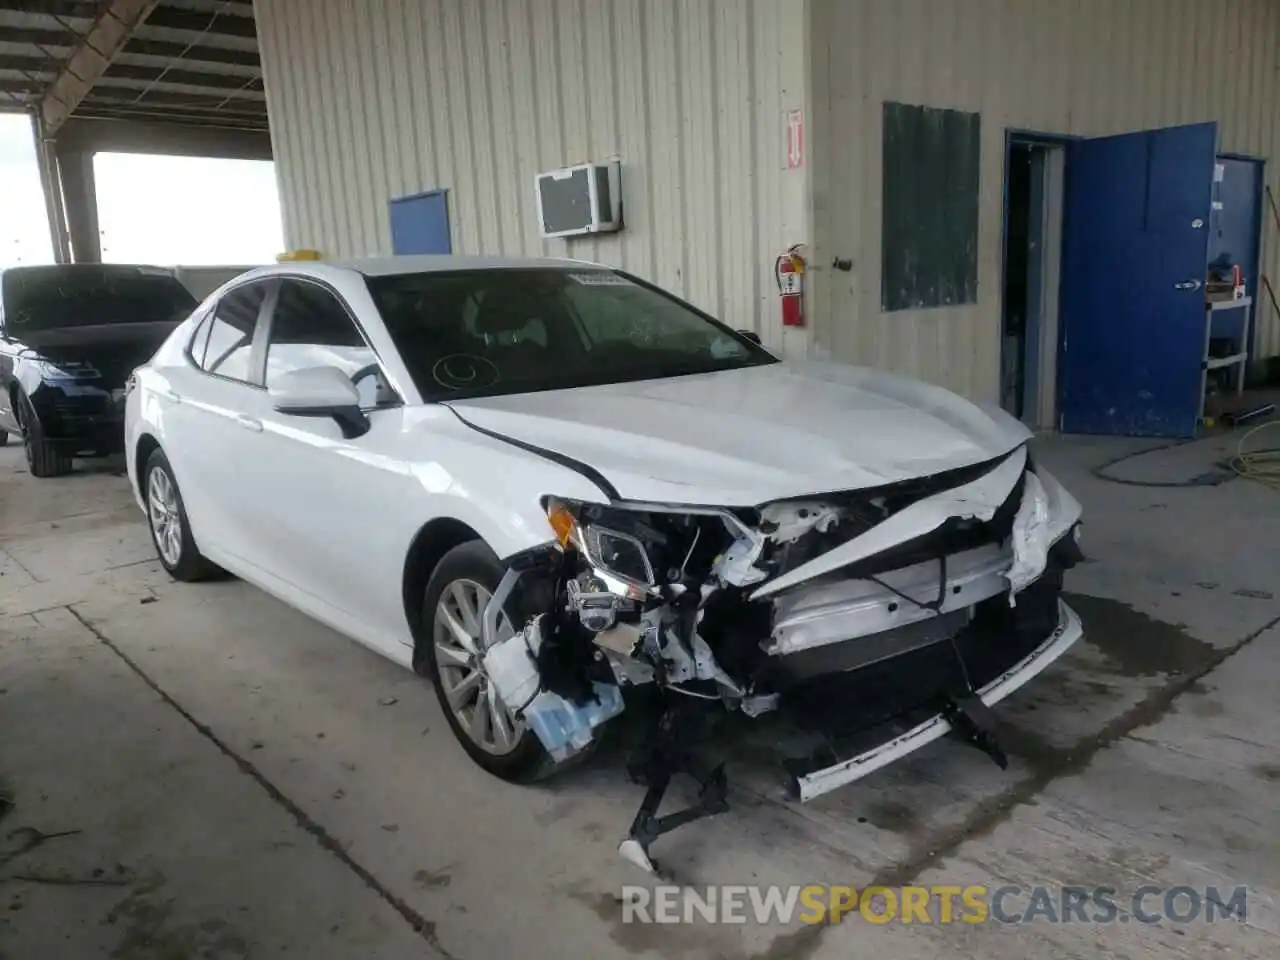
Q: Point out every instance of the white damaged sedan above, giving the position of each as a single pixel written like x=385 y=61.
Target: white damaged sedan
x=541 y=483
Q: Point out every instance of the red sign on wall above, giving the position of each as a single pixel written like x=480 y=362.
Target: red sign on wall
x=795 y=139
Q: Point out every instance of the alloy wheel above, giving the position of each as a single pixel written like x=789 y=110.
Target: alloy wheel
x=459 y=650
x=162 y=510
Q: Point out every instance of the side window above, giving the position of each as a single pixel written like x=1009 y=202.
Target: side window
x=227 y=334
x=311 y=328
x=199 y=337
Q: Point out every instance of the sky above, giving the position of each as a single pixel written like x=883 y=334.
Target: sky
x=151 y=209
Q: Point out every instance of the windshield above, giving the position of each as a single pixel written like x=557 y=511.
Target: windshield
x=46 y=298
x=477 y=333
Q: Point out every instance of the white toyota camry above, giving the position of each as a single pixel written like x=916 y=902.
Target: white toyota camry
x=541 y=483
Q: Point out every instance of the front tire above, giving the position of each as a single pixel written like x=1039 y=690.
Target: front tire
x=43 y=458
x=167 y=520
x=453 y=605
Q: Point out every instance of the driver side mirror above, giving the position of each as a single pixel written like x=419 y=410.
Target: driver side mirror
x=750 y=335
x=321 y=392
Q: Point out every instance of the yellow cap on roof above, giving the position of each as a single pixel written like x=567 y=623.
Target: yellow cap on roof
x=298 y=255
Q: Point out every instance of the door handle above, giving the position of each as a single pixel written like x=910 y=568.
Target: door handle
x=171 y=396
x=1187 y=285
x=249 y=423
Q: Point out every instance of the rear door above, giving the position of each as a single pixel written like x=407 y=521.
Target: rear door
x=207 y=434
x=1133 y=306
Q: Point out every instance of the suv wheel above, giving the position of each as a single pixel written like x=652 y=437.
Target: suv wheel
x=43 y=458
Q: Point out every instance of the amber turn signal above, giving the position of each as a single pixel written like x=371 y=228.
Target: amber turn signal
x=562 y=521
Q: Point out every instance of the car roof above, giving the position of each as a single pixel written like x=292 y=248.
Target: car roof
x=427 y=263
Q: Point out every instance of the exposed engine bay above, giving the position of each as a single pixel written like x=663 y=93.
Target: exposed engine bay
x=881 y=617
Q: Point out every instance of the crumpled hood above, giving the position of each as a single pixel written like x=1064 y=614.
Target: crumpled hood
x=746 y=437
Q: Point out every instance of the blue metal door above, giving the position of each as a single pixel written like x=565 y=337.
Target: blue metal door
x=1135 y=248
x=420 y=223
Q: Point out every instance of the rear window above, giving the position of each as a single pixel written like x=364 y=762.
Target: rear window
x=45 y=298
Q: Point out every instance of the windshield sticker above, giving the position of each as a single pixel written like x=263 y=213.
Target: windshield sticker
x=464 y=371
x=601 y=278
x=154 y=272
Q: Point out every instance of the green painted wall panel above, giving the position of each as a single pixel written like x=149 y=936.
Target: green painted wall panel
x=929 y=253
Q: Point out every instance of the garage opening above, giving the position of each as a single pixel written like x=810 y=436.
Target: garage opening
x=1032 y=259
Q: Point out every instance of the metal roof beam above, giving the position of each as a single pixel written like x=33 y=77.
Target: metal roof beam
x=90 y=60
x=192 y=78
x=84 y=9
x=14 y=85
x=167 y=116
x=167 y=133
x=199 y=53
x=37 y=38
x=13 y=61
x=220 y=21
x=195 y=54
x=159 y=98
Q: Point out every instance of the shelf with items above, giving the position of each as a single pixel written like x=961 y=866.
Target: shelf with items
x=1225 y=320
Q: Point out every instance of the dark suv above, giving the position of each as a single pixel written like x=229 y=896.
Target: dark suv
x=70 y=335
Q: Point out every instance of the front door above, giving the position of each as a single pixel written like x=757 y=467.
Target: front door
x=322 y=523
x=1134 y=255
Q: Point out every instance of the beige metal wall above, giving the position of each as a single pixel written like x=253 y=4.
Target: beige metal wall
x=374 y=99
x=1087 y=67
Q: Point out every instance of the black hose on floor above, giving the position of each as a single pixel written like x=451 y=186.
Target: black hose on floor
x=1211 y=479
x=1258 y=464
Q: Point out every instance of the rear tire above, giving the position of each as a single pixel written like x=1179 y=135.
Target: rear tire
x=167 y=521
x=460 y=586
x=43 y=458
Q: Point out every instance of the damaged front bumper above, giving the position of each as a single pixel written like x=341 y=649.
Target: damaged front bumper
x=813 y=784
x=874 y=621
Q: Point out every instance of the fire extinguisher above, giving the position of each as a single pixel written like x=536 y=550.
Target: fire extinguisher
x=788 y=271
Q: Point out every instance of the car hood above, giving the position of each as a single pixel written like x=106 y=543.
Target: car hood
x=111 y=350
x=746 y=437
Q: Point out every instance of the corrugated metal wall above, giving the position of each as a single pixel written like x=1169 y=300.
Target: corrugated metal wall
x=374 y=99
x=1088 y=67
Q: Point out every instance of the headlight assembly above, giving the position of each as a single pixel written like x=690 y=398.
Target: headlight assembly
x=617 y=552
x=67 y=370
x=610 y=551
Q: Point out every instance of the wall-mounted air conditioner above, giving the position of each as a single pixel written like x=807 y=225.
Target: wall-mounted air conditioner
x=576 y=201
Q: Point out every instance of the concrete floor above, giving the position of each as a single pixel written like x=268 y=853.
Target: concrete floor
x=242 y=782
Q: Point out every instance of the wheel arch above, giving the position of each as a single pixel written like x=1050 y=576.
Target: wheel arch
x=147 y=444
x=436 y=538
x=11 y=396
